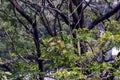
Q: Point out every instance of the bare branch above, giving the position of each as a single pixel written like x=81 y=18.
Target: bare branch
x=104 y=17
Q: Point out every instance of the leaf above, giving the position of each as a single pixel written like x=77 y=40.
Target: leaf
x=7 y=73
x=0 y=60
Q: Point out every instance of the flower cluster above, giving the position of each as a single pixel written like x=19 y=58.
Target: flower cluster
x=53 y=42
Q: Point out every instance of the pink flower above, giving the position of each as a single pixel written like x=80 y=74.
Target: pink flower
x=52 y=43
x=59 y=41
x=64 y=51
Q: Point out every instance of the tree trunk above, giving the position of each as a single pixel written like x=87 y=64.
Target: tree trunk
x=35 y=33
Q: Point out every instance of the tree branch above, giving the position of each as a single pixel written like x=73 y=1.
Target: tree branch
x=21 y=11
x=104 y=17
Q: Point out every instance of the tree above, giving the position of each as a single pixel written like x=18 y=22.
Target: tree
x=51 y=18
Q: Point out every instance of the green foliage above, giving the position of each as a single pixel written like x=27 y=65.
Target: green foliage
x=72 y=74
x=61 y=52
x=4 y=75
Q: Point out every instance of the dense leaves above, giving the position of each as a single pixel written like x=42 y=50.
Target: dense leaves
x=63 y=39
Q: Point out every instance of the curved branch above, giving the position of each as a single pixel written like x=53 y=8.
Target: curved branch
x=104 y=17
x=21 y=11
